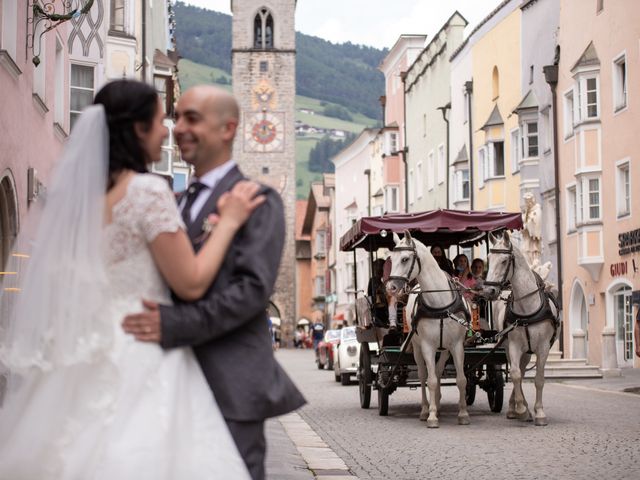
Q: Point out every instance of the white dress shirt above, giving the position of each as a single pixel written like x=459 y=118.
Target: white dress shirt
x=210 y=180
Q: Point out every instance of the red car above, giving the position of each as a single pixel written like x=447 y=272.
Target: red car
x=324 y=354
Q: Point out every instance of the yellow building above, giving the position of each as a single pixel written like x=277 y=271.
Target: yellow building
x=496 y=94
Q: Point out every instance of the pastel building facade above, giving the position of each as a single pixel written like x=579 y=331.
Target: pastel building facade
x=391 y=141
x=428 y=97
x=351 y=203
x=599 y=110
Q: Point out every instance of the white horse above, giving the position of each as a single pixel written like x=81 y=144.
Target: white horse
x=439 y=321
x=533 y=314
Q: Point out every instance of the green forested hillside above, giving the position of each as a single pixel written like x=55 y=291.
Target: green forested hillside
x=345 y=74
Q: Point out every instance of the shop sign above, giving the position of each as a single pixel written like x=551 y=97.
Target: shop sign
x=618 y=269
x=629 y=242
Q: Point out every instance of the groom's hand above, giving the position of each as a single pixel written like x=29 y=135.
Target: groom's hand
x=145 y=326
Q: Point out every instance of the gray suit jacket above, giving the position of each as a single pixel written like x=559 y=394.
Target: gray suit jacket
x=228 y=327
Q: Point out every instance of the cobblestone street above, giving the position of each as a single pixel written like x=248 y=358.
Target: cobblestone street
x=592 y=433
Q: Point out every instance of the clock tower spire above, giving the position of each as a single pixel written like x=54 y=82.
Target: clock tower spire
x=263 y=69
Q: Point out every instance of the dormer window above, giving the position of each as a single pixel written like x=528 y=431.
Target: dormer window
x=263 y=29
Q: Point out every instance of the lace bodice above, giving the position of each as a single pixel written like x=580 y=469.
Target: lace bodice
x=147 y=209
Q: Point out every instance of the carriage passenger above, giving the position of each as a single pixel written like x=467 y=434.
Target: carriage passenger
x=443 y=262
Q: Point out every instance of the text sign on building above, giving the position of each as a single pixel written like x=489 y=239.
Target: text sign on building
x=629 y=242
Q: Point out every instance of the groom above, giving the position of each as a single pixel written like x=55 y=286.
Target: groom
x=228 y=327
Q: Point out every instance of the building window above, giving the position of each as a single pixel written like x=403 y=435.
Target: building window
x=482 y=166
x=588 y=193
x=58 y=106
x=264 y=67
x=461 y=185
x=80 y=90
x=263 y=30
x=465 y=108
x=599 y=5
x=393 y=142
x=319 y=287
x=117 y=16
x=410 y=185
x=179 y=181
x=419 y=180
x=529 y=139
x=569 y=113
x=165 y=163
x=496 y=159
x=530 y=74
x=442 y=166
x=588 y=94
x=320 y=242
x=624 y=321
x=572 y=209
x=391 y=199
x=431 y=171
x=515 y=151
x=549 y=216
x=620 y=83
x=623 y=189
x=9 y=26
x=495 y=82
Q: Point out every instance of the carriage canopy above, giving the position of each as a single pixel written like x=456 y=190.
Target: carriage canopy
x=444 y=227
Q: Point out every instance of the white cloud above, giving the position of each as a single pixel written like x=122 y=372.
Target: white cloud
x=376 y=23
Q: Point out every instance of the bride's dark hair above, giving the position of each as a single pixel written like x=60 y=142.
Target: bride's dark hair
x=127 y=102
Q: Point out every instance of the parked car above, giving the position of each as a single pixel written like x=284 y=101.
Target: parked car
x=347 y=356
x=325 y=351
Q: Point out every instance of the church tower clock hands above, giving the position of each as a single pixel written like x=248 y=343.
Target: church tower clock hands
x=263 y=69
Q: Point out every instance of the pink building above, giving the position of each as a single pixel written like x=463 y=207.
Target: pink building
x=598 y=98
x=35 y=111
x=393 y=66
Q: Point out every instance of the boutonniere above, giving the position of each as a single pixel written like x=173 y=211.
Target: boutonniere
x=208 y=225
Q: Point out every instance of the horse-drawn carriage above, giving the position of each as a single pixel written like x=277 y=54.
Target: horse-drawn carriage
x=385 y=364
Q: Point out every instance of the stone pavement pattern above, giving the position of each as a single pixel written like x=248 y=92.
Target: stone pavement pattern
x=593 y=431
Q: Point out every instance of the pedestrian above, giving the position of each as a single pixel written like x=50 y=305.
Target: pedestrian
x=226 y=328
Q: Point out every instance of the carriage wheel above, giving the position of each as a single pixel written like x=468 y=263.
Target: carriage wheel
x=364 y=376
x=470 y=394
x=495 y=394
x=383 y=402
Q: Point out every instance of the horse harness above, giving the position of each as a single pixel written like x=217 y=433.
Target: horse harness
x=414 y=259
x=422 y=310
x=513 y=319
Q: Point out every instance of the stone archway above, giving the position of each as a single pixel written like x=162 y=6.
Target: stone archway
x=9 y=224
x=579 y=322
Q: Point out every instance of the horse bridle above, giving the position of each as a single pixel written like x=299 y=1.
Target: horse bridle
x=511 y=266
x=414 y=259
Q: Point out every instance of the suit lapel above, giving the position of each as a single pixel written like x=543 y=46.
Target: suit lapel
x=226 y=183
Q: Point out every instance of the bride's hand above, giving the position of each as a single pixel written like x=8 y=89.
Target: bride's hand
x=235 y=206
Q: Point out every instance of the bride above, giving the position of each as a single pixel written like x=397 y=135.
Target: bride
x=83 y=399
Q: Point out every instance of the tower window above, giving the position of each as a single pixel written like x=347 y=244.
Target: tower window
x=263 y=29
x=264 y=66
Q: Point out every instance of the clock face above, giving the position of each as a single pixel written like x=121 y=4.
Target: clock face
x=263 y=132
x=263 y=96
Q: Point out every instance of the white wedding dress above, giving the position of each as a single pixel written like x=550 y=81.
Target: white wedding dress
x=137 y=412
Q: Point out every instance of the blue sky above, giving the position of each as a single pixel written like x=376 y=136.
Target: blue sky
x=376 y=23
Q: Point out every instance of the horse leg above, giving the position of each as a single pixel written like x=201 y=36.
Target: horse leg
x=433 y=382
x=524 y=361
x=422 y=374
x=515 y=355
x=444 y=356
x=461 y=381
x=542 y=353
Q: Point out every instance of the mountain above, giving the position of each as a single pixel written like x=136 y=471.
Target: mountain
x=343 y=74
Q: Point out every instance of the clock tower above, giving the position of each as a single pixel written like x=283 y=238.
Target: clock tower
x=263 y=69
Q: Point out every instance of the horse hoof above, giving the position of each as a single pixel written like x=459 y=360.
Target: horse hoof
x=433 y=424
x=511 y=415
x=524 y=416
x=541 y=422
x=464 y=420
x=424 y=418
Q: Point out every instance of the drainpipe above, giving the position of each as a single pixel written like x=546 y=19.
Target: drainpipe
x=367 y=172
x=468 y=87
x=444 y=117
x=405 y=149
x=144 y=41
x=551 y=77
x=383 y=104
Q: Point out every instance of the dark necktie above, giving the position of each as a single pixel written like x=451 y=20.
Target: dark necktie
x=192 y=193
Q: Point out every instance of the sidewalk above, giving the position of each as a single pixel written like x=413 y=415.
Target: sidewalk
x=296 y=452
x=628 y=382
